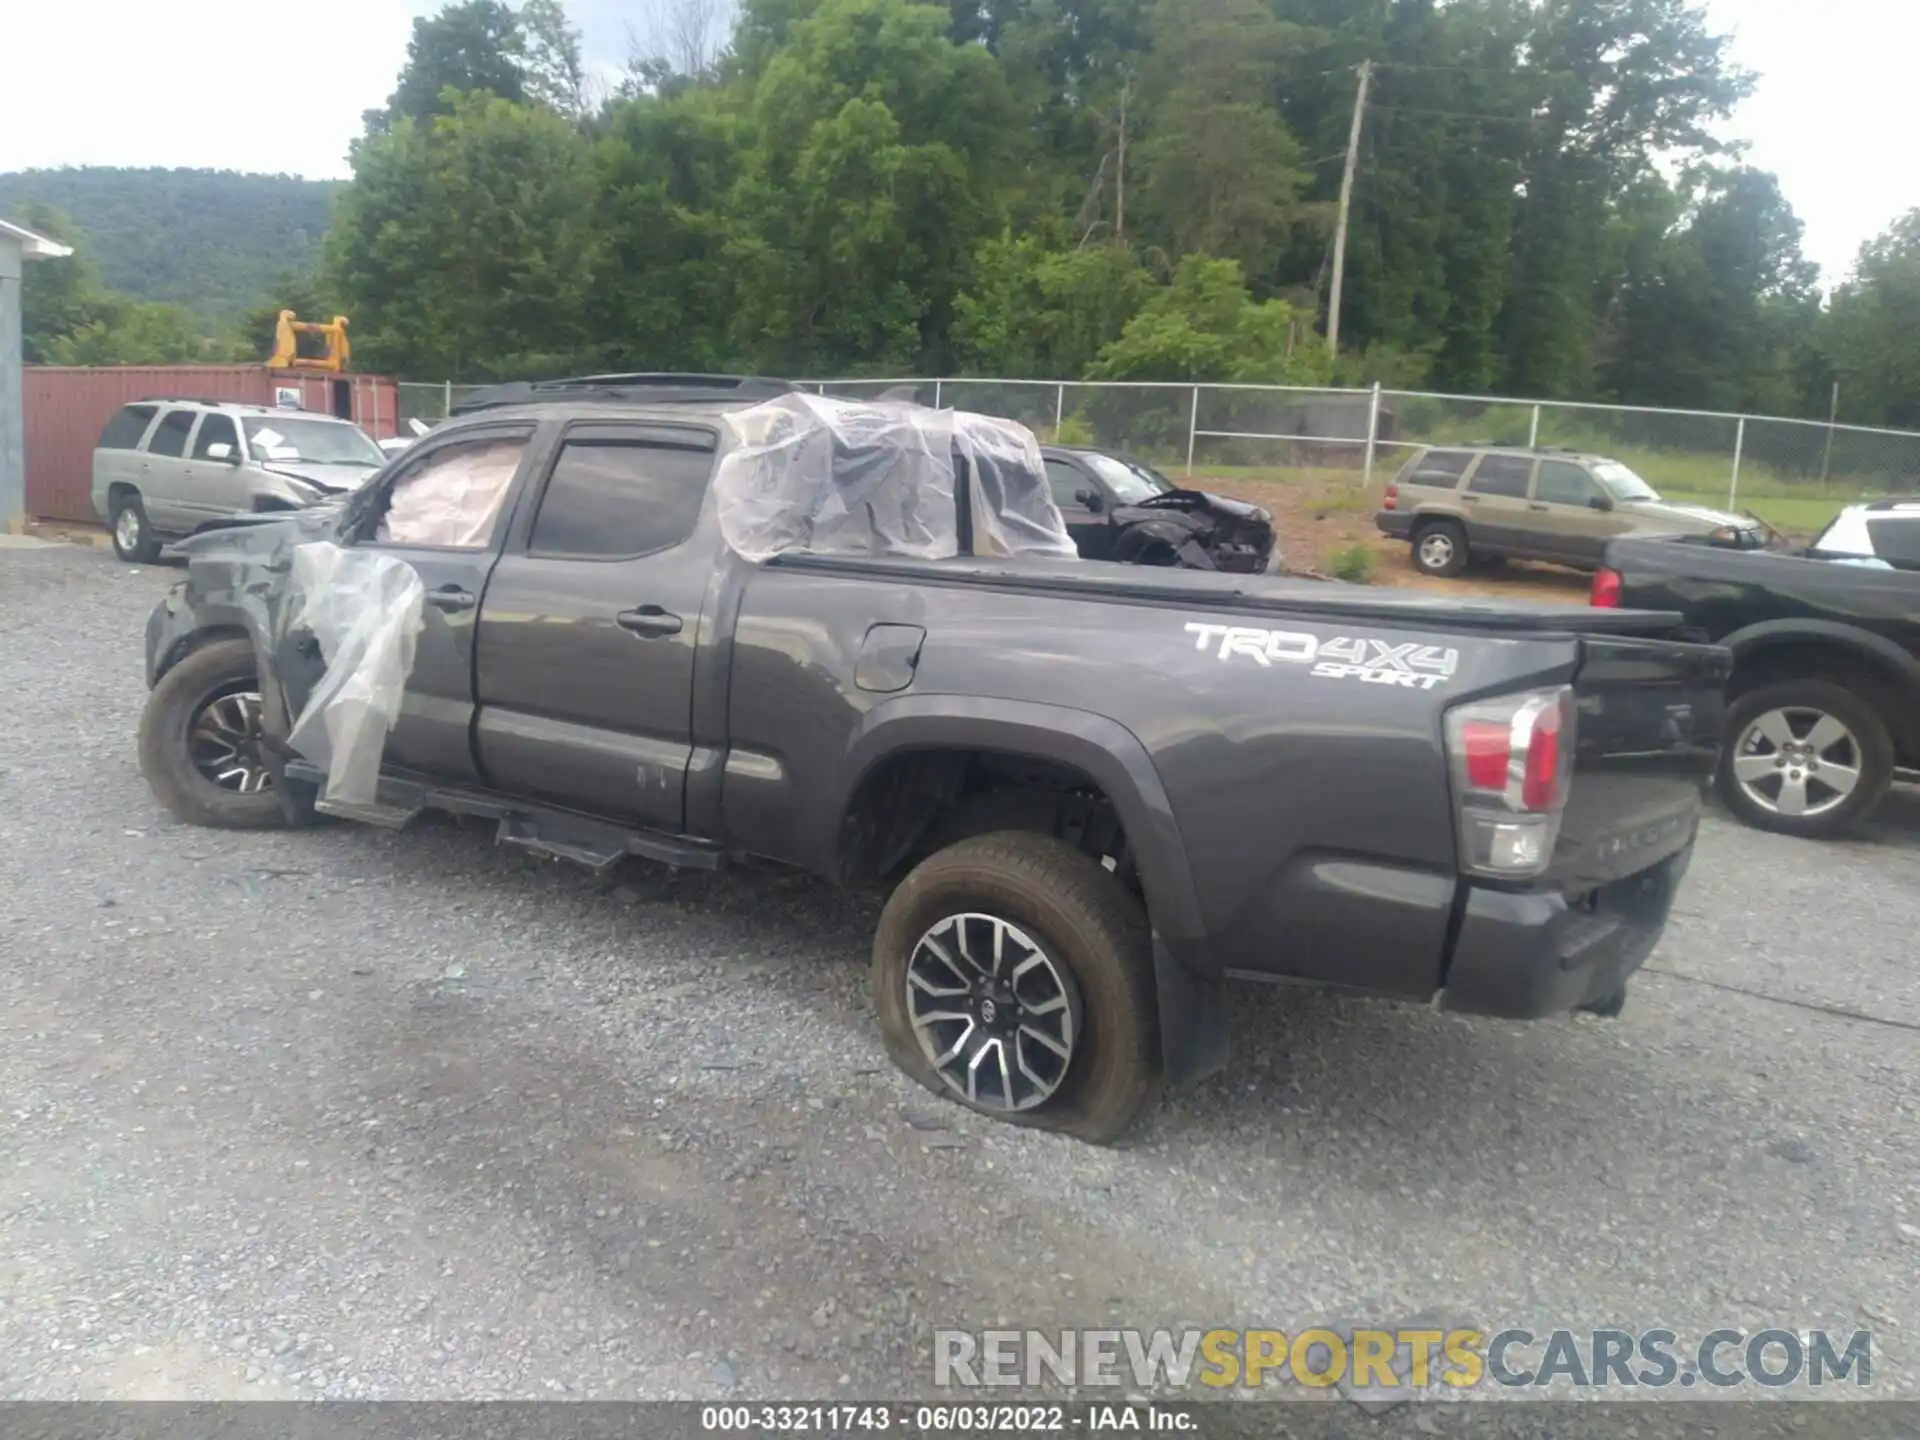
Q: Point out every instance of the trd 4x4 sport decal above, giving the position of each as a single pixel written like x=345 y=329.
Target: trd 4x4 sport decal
x=1342 y=657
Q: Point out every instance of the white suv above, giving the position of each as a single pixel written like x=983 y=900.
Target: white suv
x=167 y=467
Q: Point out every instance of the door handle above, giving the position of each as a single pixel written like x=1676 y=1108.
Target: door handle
x=1469 y=499
x=649 y=622
x=1536 y=506
x=451 y=598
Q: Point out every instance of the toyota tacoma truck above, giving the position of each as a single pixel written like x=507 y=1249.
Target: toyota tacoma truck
x=1824 y=702
x=702 y=620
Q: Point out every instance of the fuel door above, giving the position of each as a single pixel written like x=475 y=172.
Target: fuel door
x=888 y=657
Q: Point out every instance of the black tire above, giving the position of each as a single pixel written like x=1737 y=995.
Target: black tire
x=145 y=548
x=1440 y=548
x=1868 y=747
x=166 y=756
x=1086 y=920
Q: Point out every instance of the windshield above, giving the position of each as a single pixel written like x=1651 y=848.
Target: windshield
x=1622 y=483
x=1129 y=481
x=318 y=442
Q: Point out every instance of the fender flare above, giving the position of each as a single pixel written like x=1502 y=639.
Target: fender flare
x=1103 y=749
x=1195 y=1036
x=1758 y=637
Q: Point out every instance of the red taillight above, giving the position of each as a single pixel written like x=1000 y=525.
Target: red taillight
x=1540 y=784
x=1485 y=746
x=1392 y=499
x=1606 y=589
x=1512 y=768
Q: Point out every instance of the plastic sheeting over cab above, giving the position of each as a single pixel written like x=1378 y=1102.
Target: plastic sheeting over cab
x=841 y=477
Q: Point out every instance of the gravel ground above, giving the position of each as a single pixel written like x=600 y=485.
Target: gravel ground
x=344 y=1113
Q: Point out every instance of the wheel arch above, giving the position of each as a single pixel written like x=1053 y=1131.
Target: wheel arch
x=1108 y=755
x=1871 y=665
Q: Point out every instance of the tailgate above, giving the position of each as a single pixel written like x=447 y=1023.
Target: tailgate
x=1648 y=733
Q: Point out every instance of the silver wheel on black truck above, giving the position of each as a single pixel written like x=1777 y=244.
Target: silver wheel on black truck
x=1014 y=974
x=1804 y=757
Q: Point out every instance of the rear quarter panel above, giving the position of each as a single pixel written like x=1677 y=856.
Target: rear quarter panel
x=1280 y=781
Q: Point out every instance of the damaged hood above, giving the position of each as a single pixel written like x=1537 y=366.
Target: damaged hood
x=1194 y=502
x=330 y=479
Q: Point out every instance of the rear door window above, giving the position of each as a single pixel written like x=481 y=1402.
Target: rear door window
x=128 y=424
x=1502 y=475
x=170 y=435
x=1442 y=468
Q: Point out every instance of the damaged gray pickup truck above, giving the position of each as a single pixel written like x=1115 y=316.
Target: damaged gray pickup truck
x=698 y=619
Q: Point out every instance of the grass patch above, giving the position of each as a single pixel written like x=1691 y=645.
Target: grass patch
x=1353 y=564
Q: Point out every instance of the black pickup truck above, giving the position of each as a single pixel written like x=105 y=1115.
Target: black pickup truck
x=1824 y=706
x=695 y=625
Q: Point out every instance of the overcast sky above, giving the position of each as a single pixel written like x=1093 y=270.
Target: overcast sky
x=246 y=85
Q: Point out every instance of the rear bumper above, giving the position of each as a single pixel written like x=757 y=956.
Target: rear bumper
x=1524 y=956
x=1394 y=523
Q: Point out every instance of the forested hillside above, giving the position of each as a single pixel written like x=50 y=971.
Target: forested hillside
x=212 y=241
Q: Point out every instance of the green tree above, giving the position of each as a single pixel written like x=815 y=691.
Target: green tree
x=1715 y=311
x=1206 y=326
x=553 y=70
x=464 y=248
x=1035 y=311
x=1221 y=170
x=1872 y=336
x=57 y=297
x=877 y=153
x=663 y=284
x=477 y=45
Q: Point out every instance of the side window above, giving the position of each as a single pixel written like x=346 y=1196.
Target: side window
x=170 y=435
x=611 y=499
x=1502 y=475
x=1563 y=484
x=450 y=498
x=1442 y=468
x=1896 y=540
x=1063 y=479
x=128 y=424
x=215 y=429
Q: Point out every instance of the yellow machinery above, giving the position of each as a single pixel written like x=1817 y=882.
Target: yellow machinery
x=287 y=331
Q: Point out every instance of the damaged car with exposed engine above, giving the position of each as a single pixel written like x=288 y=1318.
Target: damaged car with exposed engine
x=1119 y=508
x=706 y=620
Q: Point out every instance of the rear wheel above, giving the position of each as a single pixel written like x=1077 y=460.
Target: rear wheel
x=1804 y=757
x=200 y=741
x=133 y=537
x=1014 y=974
x=1440 y=548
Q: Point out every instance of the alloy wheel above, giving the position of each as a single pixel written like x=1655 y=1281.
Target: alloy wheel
x=996 y=1015
x=1798 y=761
x=223 y=739
x=126 y=529
x=1436 y=550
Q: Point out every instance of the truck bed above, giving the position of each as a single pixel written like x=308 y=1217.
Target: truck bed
x=1256 y=594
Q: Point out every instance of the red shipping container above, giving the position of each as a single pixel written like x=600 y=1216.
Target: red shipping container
x=67 y=406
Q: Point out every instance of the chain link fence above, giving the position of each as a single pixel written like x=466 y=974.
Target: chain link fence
x=1794 y=473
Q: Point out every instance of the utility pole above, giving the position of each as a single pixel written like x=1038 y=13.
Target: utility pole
x=1346 y=205
x=1833 y=419
x=1120 y=203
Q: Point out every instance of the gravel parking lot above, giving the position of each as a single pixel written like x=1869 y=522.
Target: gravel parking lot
x=345 y=1113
